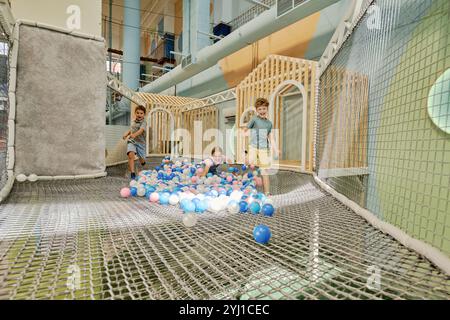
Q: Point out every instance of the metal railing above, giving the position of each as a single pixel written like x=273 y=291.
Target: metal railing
x=250 y=14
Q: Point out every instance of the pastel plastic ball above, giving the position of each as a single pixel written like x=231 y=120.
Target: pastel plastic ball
x=194 y=179
x=201 y=206
x=215 y=205
x=200 y=170
x=154 y=197
x=262 y=234
x=164 y=199
x=255 y=207
x=268 y=210
x=125 y=193
x=189 y=207
x=243 y=207
x=133 y=191
x=174 y=200
x=233 y=207
x=190 y=220
x=268 y=201
x=133 y=183
x=141 y=191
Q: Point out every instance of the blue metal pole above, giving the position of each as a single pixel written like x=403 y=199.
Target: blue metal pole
x=131 y=43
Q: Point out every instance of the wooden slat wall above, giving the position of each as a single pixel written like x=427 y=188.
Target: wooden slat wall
x=262 y=81
x=160 y=132
x=344 y=119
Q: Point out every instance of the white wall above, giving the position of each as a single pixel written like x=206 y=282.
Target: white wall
x=54 y=12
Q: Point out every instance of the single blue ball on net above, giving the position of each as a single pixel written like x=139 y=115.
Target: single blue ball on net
x=262 y=234
x=268 y=210
x=133 y=191
x=243 y=207
x=255 y=207
x=244 y=167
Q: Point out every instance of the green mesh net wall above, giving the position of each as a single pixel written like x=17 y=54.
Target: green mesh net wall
x=384 y=117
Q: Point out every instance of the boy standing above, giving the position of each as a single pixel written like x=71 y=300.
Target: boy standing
x=136 y=139
x=261 y=137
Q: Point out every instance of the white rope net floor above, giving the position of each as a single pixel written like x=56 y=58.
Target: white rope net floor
x=80 y=240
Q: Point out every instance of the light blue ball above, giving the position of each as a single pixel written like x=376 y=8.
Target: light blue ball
x=255 y=207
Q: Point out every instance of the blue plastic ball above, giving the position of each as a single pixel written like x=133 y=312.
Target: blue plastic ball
x=209 y=175
x=183 y=203
x=133 y=191
x=243 y=207
x=189 y=207
x=255 y=207
x=268 y=210
x=158 y=168
x=244 y=167
x=262 y=234
x=164 y=199
x=250 y=175
x=201 y=206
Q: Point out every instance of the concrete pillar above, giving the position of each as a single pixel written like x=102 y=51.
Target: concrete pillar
x=131 y=43
x=196 y=17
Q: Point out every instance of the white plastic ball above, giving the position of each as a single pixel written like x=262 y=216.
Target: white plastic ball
x=236 y=195
x=141 y=192
x=233 y=207
x=215 y=205
x=190 y=220
x=174 y=199
x=33 y=178
x=133 y=183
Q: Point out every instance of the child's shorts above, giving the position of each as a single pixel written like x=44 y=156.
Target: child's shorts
x=260 y=157
x=138 y=149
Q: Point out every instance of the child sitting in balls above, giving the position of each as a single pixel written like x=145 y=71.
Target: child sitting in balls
x=212 y=163
x=136 y=139
x=261 y=141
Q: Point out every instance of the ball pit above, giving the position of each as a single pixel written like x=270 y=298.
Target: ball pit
x=182 y=184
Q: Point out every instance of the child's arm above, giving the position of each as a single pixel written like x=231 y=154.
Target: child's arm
x=126 y=134
x=208 y=165
x=137 y=133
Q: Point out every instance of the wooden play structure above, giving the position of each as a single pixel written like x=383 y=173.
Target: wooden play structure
x=274 y=77
x=343 y=128
x=174 y=123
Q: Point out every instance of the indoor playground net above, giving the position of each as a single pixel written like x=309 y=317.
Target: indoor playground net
x=381 y=135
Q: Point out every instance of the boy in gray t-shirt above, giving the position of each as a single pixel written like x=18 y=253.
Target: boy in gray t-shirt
x=262 y=141
x=136 y=139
